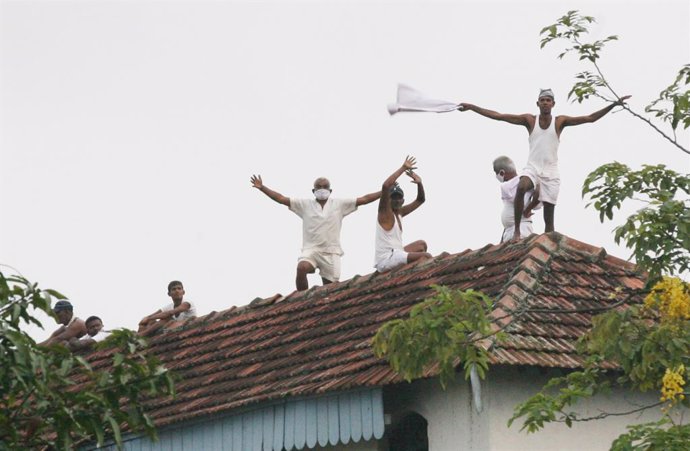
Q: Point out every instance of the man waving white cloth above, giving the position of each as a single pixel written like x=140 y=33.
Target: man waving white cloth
x=409 y=99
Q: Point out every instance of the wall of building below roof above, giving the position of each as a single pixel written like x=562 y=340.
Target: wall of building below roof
x=351 y=421
x=455 y=425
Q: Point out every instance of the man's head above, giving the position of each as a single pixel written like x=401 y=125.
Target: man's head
x=397 y=197
x=545 y=101
x=322 y=188
x=64 y=311
x=176 y=291
x=93 y=325
x=504 y=168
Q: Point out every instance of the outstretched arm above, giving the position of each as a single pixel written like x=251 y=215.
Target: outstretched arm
x=276 y=196
x=368 y=198
x=163 y=315
x=526 y=120
x=412 y=206
x=408 y=165
x=567 y=121
x=75 y=330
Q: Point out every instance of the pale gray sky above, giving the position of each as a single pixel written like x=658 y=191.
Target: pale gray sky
x=130 y=131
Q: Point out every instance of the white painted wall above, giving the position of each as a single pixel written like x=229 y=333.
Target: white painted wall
x=454 y=425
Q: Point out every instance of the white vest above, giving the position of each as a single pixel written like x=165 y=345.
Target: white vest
x=543 y=150
x=387 y=240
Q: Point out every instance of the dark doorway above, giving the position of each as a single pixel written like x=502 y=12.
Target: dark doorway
x=409 y=434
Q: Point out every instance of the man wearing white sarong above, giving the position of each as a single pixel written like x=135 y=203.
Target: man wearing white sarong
x=542 y=163
x=322 y=218
x=504 y=168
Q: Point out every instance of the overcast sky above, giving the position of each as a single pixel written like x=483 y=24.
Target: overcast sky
x=130 y=131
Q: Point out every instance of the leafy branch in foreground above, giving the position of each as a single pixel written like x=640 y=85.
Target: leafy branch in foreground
x=444 y=330
x=650 y=346
x=658 y=233
x=52 y=398
x=673 y=104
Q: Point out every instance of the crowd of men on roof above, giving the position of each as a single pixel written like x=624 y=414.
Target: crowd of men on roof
x=538 y=185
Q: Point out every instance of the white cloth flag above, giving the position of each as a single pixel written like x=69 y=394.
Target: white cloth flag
x=409 y=99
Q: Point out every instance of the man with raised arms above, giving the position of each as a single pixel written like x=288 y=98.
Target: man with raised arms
x=542 y=163
x=322 y=219
x=390 y=252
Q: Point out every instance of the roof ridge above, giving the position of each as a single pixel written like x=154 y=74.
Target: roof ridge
x=523 y=280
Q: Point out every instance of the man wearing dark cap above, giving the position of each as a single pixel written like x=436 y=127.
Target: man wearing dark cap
x=71 y=326
x=542 y=163
x=390 y=252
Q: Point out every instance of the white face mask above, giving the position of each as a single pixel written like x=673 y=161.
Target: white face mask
x=499 y=177
x=322 y=194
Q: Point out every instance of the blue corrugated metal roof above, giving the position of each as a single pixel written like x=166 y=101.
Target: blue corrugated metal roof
x=292 y=424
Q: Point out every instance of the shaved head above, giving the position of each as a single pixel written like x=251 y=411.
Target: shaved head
x=504 y=163
x=322 y=182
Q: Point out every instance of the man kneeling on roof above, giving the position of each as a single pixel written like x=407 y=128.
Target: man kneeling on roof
x=178 y=311
x=94 y=334
x=390 y=252
x=508 y=176
x=71 y=326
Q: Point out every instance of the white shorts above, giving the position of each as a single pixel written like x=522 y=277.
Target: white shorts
x=327 y=263
x=525 y=231
x=549 y=187
x=396 y=258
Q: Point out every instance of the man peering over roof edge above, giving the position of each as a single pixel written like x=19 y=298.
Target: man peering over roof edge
x=542 y=161
x=322 y=219
x=178 y=311
x=95 y=334
x=71 y=326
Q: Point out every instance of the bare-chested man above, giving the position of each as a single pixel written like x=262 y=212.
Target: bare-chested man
x=70 y=325
x=542 y=163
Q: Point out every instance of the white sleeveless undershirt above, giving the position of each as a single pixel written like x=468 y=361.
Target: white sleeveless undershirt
x=543 y=150
x=387 y=240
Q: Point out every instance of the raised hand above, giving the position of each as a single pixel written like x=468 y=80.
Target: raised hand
x=622 y=100
x=410 y=163
x=256 y=181
x=413 y=175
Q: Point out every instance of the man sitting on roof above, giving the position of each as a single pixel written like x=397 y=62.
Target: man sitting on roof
x=95 y=333
x=322 y=219
x=178 y=311
x=390 y=252
x=507 y=175
x=71 y=326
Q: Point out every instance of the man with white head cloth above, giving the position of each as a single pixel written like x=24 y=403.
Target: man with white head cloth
x=542 y=163
x=322 y=219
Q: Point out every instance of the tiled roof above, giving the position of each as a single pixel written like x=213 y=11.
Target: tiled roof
x=547 y=287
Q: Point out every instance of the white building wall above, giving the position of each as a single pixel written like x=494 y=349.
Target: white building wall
x=454 y=424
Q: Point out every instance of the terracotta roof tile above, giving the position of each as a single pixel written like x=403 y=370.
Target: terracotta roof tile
x=547 y=288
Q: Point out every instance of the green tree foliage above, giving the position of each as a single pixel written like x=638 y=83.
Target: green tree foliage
x=649 y=344
x=673 y=104
x=52 y=398
x=658 y=233
x=444 y=330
